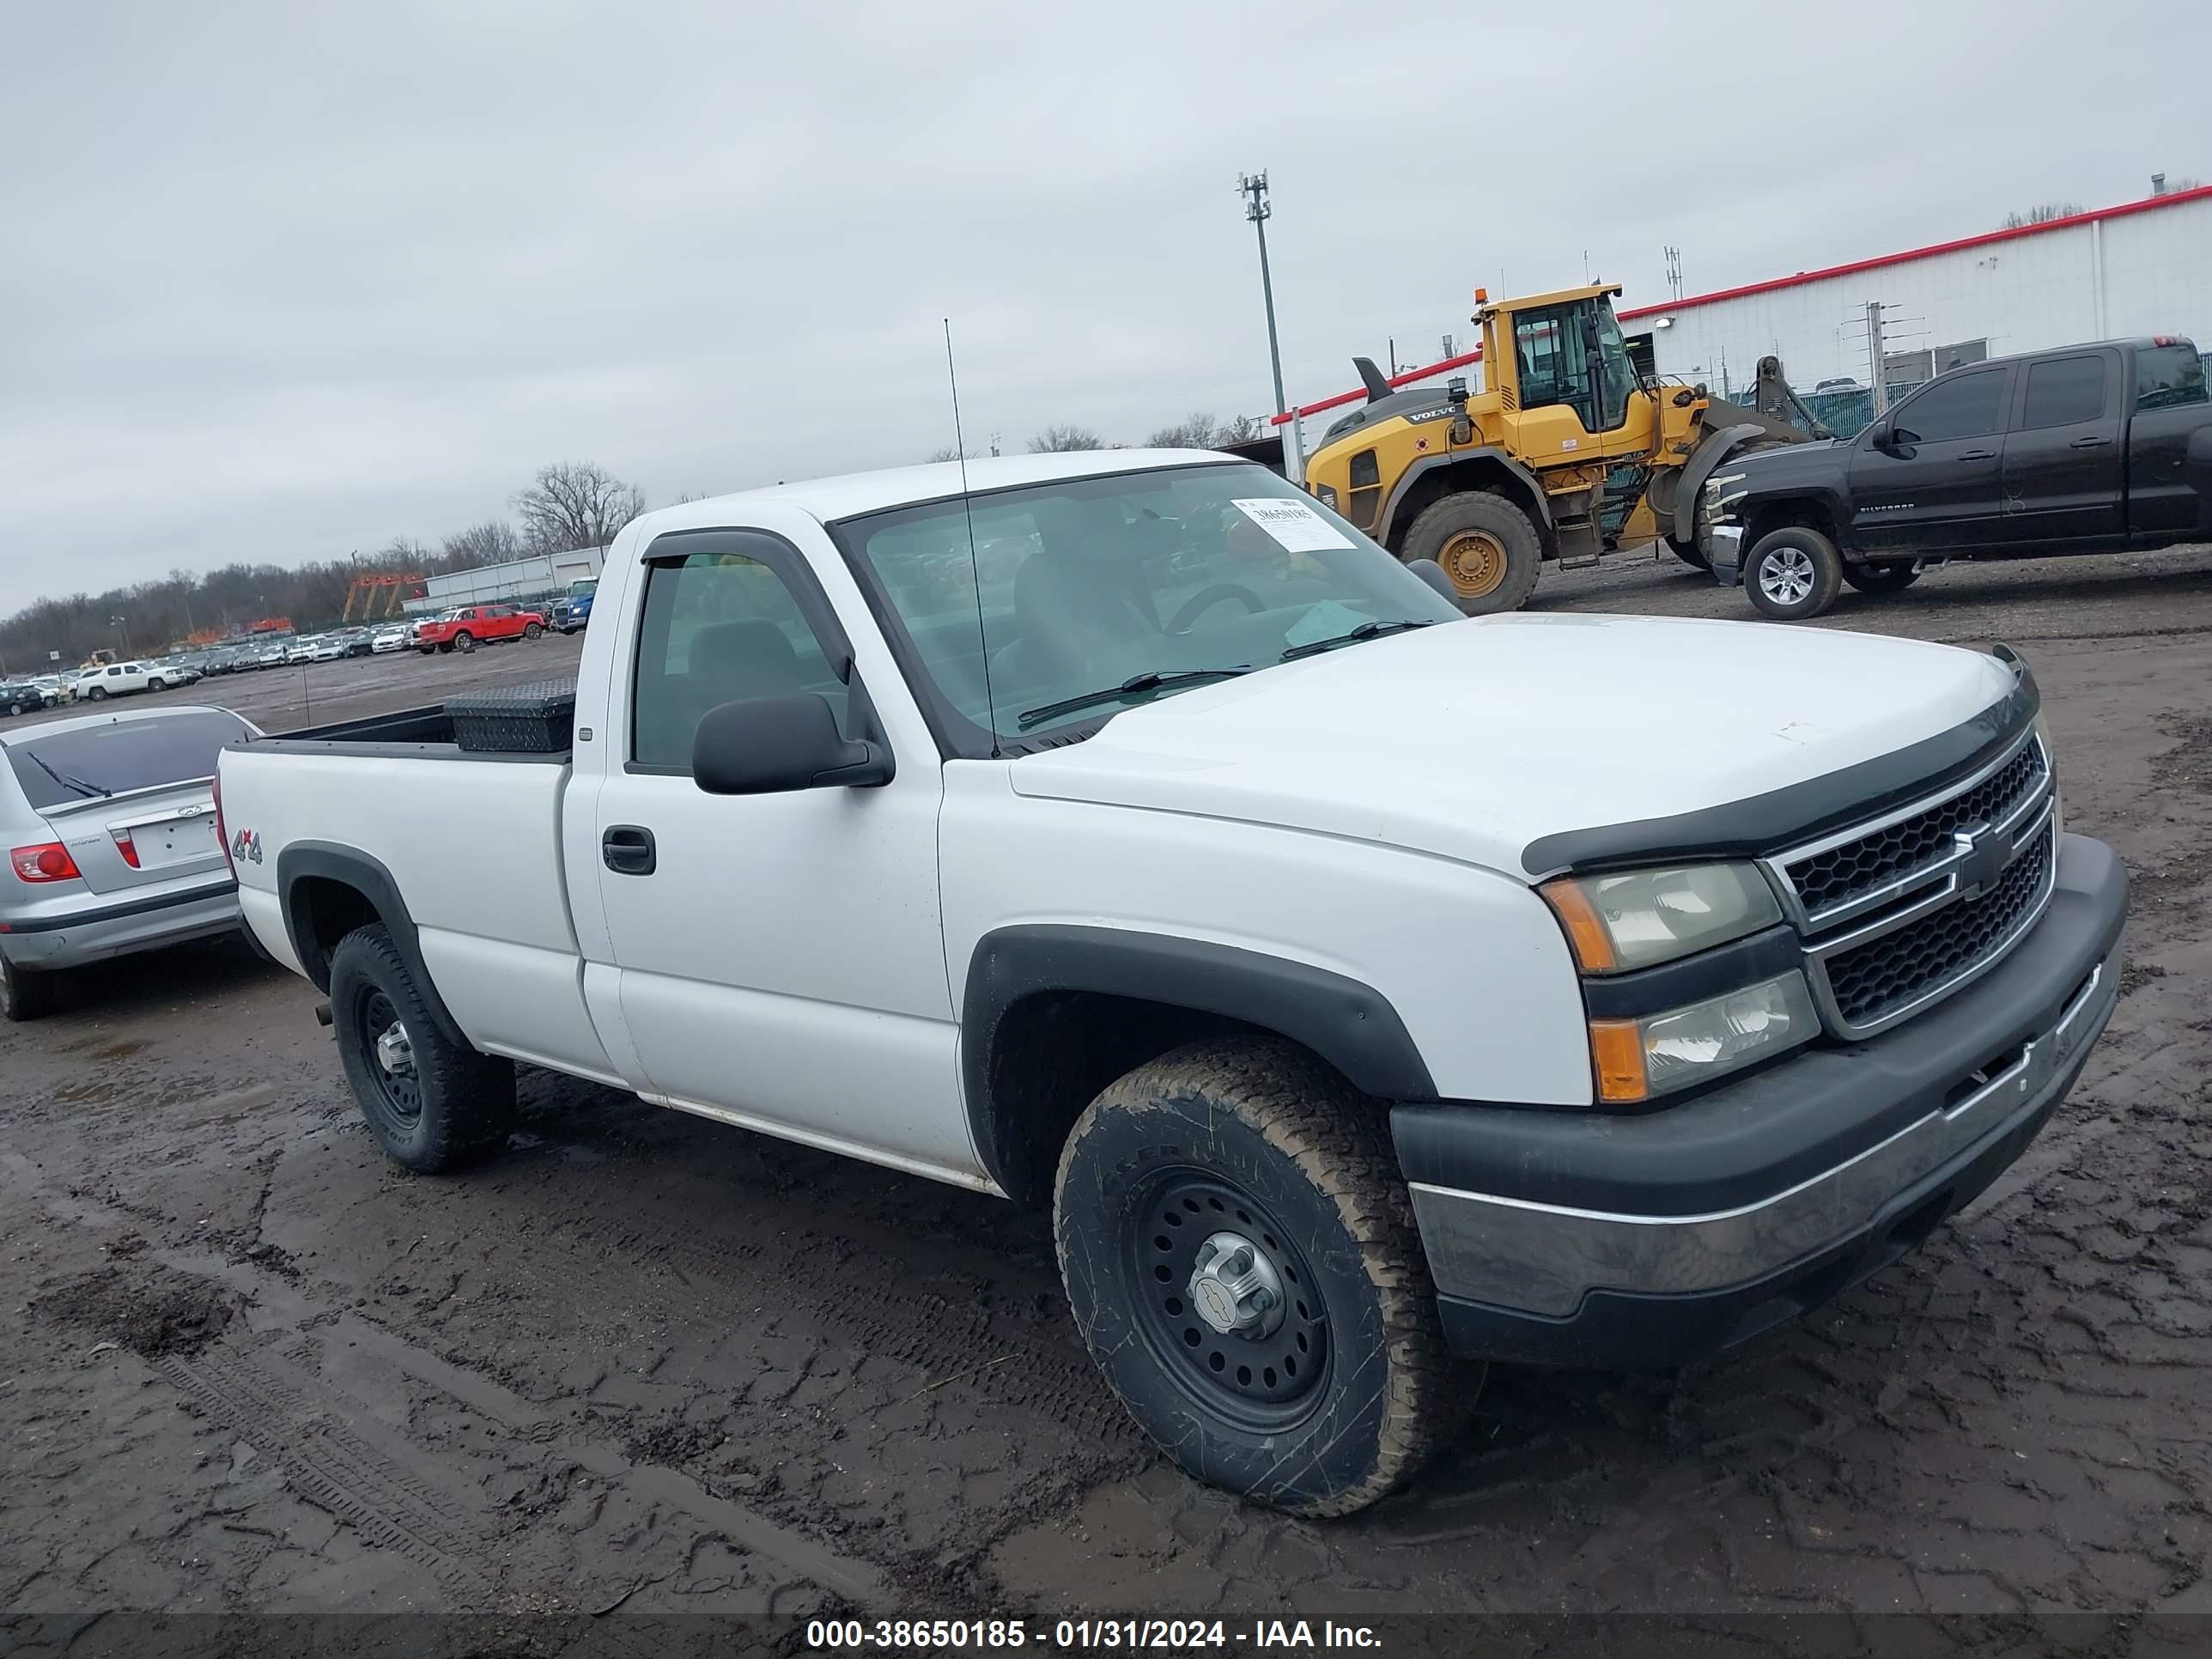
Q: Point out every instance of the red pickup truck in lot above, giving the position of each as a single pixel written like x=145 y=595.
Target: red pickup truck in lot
x=473 y=625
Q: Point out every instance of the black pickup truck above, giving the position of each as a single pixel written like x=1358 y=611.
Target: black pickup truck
x=2084 y=449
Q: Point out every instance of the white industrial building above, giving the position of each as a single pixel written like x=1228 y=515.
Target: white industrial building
x=2141 y=268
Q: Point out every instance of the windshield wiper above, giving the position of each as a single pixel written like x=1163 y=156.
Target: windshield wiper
x=1150 y=680
x=67 y=781
x=1366 y=630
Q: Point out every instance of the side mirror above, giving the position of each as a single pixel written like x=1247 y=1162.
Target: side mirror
x=1881 y=434
x=771 y=745
x=1433 y=574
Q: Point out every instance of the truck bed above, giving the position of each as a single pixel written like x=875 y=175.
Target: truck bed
x=423 y=733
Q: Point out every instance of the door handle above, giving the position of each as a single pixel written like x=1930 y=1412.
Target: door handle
x=2089 y=443
x=1979 y=455
x=628 y=850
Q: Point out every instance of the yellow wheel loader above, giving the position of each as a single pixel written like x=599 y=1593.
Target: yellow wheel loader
x=1567 y=452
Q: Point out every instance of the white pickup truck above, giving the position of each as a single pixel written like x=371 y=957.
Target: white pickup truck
x=1371 y=992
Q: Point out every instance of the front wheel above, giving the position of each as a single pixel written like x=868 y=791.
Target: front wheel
x=1485 y=545
x=1893 y=576
x=157 y=685
x=530 y=630
x=1242 y=1260
x=1793 y=574
x=432 y=1103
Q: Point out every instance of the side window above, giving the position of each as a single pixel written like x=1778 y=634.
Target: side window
x=2064 y=391
x=1552 y=365
x=2168 y=376
x=1956 y=406
x=717 y=628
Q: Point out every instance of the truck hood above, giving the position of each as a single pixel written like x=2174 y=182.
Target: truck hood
x=1473 y=739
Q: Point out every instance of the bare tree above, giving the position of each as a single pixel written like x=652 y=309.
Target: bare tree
x=1193 y=432
x=1054 y=439
x=492 y=541
x=574 y=504
x=947 y=454
x=2041 y=214
x=1241 y=430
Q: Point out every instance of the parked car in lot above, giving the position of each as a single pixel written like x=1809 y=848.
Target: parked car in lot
x=473 y=625
x=110 y=822
x=394 y=636
x=573 y=609
x=1344 y=1031
x=118 y=679
x=21 y=697
x=176 y=671
x=2083 y=449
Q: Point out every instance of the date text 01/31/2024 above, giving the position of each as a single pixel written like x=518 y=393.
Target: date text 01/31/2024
x=895 y=1635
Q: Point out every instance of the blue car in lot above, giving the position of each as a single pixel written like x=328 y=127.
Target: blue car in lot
x=573 y=609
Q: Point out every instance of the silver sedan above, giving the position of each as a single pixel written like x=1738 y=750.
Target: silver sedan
x=113 y=840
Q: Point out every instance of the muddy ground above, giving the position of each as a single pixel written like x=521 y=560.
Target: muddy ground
x=643 y=1360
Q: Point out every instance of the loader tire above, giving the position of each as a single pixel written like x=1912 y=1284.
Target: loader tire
x=1485 y=545
x=432 y=1103
x=1323 y=1392
x=1690 y=554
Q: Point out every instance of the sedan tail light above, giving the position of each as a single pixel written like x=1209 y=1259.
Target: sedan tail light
x=126 y=845
x=48 y=862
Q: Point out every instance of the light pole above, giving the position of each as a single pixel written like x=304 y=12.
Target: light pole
x=118 y=622
x=1252 y=186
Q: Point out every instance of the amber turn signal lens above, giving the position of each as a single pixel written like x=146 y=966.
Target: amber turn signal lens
x=1617 y=1053
x=1587 y=933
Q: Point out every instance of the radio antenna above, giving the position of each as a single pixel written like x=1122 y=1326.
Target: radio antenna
x=967 y=512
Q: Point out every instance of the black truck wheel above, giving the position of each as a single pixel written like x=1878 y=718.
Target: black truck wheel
x=1893 y=576
x=26 y=995
x=1243 y=1261
x=1485 y=545
x=432 y=1103
x=1793 y=574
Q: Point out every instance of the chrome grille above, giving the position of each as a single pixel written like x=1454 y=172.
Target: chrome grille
x=1900 y=969
x=1829 y=881
x=1898 y=913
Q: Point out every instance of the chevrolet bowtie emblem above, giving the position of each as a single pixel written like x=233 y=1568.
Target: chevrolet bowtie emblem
x=1981 y=860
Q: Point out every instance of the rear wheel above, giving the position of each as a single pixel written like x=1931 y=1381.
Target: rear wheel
x=26 y=995
x=1242 y=1260
x=530 y=630
x=432 y=1103
x=1793 y=574
x=98 y=694
x=1485 y=545
x=1892 y=577
x=465 y=643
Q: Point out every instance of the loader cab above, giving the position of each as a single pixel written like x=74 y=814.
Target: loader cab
x=1565 y=378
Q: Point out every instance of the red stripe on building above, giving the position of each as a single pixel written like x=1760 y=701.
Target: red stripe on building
x=1406 y=379
x=2146 y=205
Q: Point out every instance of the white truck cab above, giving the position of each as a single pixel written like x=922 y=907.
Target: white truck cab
x=1369 y=991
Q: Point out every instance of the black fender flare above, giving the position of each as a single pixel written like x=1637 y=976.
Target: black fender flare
x=1712 y=450
x=1387 y=520
x=1351 y=1025
x=305 y=860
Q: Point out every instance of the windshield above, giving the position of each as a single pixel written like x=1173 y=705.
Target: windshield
x=1078 y=586
x=123 y=755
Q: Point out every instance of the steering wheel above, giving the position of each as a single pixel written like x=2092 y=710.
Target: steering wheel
x=1206 y=597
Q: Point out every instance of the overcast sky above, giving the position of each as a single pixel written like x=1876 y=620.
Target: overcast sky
x=282 y=281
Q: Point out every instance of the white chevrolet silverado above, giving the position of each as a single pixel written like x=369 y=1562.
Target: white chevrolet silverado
x=1369 y=991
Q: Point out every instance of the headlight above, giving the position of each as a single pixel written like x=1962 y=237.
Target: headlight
x=1618 y=923
x=1637 y=1059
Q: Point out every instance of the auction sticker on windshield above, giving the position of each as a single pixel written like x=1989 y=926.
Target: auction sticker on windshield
x=1296 y=527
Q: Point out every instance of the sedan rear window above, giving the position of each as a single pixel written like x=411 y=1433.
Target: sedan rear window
x=123 y=755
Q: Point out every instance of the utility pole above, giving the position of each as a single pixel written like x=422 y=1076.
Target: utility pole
x=1875 y=377
x=1254 y=188
x=118 y=622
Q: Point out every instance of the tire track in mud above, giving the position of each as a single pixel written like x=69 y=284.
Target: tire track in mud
x=333 y=1467
x=723 y=1282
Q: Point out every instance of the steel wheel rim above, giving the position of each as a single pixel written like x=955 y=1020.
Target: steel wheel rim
x=1266 y=1381
x=376 y=1017
x=1785 y=575
x=1475 y=561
